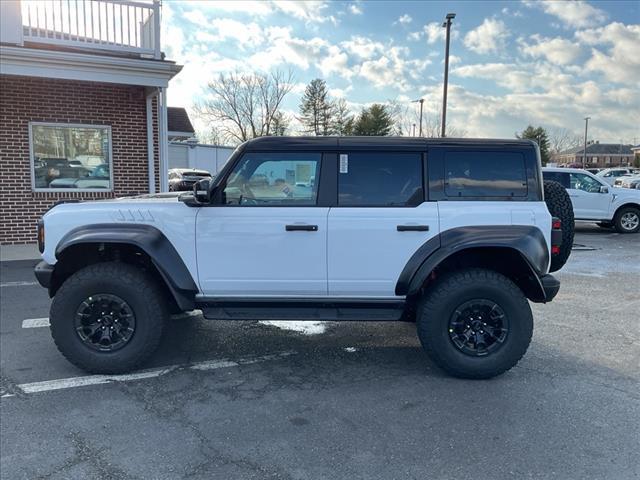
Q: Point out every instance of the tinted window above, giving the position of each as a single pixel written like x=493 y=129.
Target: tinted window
x=380 y=179
x=485 y=174
x=561 y=177
x=580 y=181
x=274 y=179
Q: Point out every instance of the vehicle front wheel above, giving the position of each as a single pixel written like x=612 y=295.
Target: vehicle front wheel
x=627 y=220
x=108 y=317
x=475 y=323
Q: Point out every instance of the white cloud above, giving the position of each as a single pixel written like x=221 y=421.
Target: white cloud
x=284 y=49
x=310 y=11
x=404 y=19
x=335 y=62
x=244 y=34
x=516 y=77
x=433 y=32
x=362 y=47
x=489 y=37
x=577 y=13
x=621 y=62
x=393 y=69
x=560 y=51
x=355 y=9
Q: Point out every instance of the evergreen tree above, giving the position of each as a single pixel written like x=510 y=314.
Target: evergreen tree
x=374 y=121
x=316 y=110
x=538 y=135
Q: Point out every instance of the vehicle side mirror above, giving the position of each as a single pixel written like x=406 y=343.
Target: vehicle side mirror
x=202 y=190
x=604 y=189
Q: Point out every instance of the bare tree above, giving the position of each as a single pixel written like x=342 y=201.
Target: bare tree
x=407 y=116
x=243 y=106
x=561 y=139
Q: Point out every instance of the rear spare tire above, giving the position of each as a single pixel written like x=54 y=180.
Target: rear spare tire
x=108 y=317
x=559 y=206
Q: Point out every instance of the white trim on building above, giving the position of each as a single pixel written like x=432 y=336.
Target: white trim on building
x=32 y=62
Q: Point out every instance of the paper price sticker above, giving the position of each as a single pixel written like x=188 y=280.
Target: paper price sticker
x=344 y=163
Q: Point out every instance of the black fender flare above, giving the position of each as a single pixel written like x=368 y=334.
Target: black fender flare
x=528 y=241
x=149 y=239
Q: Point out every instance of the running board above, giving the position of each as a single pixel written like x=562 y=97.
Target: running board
x=301 y=309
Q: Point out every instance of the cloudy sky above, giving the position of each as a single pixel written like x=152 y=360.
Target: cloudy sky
x=512 y=63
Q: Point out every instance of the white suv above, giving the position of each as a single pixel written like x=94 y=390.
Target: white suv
x=454 y=235
x=594 y=200
x=609 y=175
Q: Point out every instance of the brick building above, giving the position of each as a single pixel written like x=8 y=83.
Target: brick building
x=599 y=155
x=83 y=110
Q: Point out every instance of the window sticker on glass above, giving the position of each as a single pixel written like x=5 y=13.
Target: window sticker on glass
x=344 y=163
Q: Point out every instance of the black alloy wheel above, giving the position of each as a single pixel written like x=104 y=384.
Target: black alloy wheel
x=105 y=322
x=478 y=327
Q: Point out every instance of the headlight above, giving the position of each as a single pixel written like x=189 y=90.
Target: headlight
x=41 y=235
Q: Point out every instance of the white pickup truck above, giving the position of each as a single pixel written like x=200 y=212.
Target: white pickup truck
x=596 y=201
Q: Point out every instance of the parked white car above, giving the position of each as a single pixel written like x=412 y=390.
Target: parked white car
x=594 y=200
x=628 y=181
x=610 y=175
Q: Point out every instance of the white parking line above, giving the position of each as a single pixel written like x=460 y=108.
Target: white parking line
x=74 y=382
x=17 y=284
x=35 y=322
x=44 y=322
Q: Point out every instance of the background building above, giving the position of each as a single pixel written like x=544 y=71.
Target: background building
x=83 y=110
x=601 y=155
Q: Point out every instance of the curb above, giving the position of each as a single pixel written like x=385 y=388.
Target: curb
x=10 y=253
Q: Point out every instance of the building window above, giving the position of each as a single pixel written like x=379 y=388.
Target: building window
x=70 y=157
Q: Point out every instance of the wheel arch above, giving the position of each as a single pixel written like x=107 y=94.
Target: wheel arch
x=626 y=205
x=518 y=252
x=142 y=245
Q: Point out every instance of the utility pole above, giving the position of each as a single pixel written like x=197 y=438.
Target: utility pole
x=584 y=154
x=421 y=100
x=447 y=25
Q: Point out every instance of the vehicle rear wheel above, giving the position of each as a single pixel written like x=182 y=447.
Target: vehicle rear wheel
x=559 y=206
x=627 y=220
x=108 y=317
x=475 y=323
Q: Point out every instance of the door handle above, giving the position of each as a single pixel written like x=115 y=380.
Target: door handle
x=413 y=228
x=301 y=228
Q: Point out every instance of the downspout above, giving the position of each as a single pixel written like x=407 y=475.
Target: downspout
x=163 y=140
x=150 y=150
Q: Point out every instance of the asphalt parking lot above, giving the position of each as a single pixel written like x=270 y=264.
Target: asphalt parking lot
x=244 y=400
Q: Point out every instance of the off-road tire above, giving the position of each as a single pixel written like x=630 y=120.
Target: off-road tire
x=137 y=288
x=618 y=223
x=559 y=206
x=441 y=302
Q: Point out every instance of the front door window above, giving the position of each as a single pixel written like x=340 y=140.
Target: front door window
x=274 y=179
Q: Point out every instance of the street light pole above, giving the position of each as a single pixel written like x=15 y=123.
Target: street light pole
x=414 y=129
x=447 y=25
x=584 y=154
x=421 y=100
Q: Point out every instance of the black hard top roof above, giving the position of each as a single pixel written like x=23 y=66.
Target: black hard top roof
x=331 y=143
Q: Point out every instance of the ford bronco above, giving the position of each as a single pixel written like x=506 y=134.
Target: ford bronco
x=454 y=235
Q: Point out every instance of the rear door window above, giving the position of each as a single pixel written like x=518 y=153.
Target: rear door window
x=561 y=177
x=471 y=173
x=380 y=179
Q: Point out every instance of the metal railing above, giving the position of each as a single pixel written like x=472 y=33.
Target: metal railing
x=119 y=25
